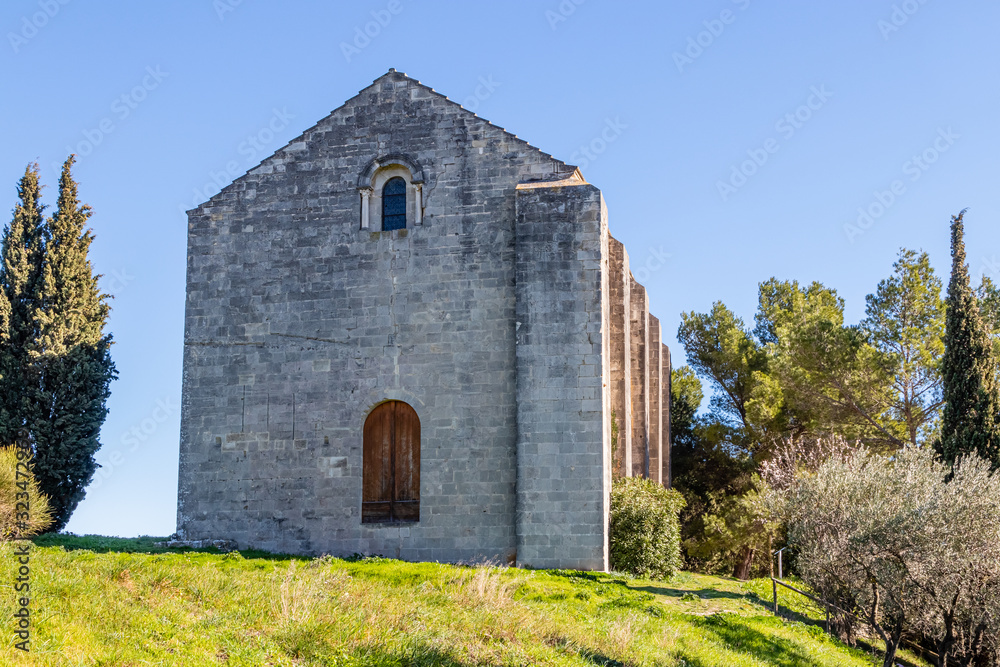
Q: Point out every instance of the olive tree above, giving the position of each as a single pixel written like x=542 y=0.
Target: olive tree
x=887 y=538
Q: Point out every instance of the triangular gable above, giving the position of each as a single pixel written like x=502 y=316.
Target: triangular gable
x=287 y=151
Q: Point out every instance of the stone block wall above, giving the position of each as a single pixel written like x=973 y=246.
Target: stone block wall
x=563 y=408
x=298 y=322
x=505 y=315
x=665 y=470
x=639 y=310
x=621 y=357
x=640 y=376
x=655 y=415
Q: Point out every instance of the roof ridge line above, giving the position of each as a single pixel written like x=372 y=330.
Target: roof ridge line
x=393 y=70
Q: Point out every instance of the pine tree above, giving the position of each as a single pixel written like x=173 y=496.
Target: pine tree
x=20 y=274
x=72 y=354
x=969 y=423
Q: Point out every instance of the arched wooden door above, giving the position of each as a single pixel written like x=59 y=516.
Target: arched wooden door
x=391 y=464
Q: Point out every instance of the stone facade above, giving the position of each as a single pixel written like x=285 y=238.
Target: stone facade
x=504 y=314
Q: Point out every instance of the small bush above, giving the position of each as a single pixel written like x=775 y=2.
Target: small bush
x=645 y=531
x=20 y=494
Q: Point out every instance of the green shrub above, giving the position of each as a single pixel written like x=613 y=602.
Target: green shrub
x=20 y=496
x=645 y=531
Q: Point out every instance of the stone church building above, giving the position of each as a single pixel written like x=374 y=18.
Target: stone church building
x=408 y=333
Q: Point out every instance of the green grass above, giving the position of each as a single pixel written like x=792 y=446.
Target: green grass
x=108 y=601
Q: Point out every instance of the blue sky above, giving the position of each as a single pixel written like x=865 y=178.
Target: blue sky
x=733 y=141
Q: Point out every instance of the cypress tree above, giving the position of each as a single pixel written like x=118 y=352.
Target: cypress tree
x=969 y=423
x=20 y=273
x=72 y=355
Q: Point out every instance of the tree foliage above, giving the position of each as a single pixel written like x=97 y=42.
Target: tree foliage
x=645 y=533
x=702 y=457
x=708 y=466
x=830 y=429
x=801 y=375
x=905 y=321
x=887 y=538
x=686 y=396
x=988 y=295
x=721 y=349
x=971 y=399
x=54 y=354
x=832 y=380
x=736 y=530
x=20 y=277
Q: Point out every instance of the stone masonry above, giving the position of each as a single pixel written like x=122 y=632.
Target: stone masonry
x=655 y=415
x=639 y=328
x=504 y=314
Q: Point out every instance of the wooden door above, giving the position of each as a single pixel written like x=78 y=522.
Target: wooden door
x=391 y=464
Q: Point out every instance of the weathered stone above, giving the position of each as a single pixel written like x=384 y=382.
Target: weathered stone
x=621 y=356
x=655 y=417
x=492 y=314
x=639 y=309
x=665 y=469
x=563 y=313
x=221 y=545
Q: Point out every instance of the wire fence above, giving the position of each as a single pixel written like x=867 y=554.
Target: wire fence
x=828 y=606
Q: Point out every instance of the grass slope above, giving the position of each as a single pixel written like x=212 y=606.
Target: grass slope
x=105 y=601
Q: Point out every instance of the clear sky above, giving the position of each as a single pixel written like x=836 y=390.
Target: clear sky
x=734 y=140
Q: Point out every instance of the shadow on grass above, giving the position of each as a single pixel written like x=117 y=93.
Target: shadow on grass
x=879 y=649
x=666 y=591
x=766 y=607
x=601 y=659
x=591 y=577
x=703 y=593
x=568 y=646
x=420 y=655
x=775 y=650
x=423 y=655
x=788 y=615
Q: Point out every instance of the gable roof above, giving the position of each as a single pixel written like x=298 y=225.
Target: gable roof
x=393 y=76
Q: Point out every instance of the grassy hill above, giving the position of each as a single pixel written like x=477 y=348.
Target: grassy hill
x=105 y=601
